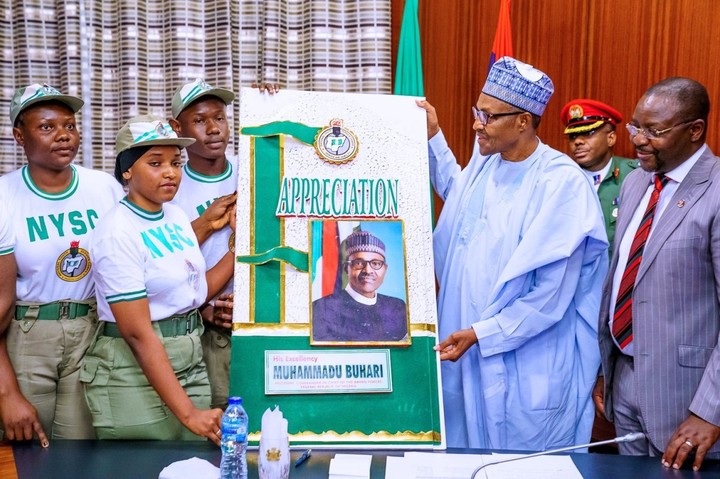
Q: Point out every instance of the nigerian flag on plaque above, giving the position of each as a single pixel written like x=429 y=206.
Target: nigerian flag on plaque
x=334 y=313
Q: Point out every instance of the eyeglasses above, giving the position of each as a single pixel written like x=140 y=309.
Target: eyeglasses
x=651 y=133
x=359 y=264
x=484 y=117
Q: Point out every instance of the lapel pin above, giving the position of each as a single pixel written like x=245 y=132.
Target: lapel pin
x=681 y=203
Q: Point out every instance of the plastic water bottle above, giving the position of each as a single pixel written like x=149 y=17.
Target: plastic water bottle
x=234 y=441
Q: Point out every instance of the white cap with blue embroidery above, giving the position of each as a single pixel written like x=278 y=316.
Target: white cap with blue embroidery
x=519 y=84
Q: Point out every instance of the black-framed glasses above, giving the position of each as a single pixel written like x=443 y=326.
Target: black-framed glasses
x=359 y=264
x=651 y=133
x=484 y=117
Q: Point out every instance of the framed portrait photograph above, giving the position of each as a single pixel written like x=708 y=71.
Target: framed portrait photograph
x=358 y=283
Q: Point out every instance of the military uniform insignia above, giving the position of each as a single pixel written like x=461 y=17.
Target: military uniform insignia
x=336 y=144
x=73 y=264
x=576 y=111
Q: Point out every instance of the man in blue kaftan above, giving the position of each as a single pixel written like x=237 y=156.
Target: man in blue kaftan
x=520 y=256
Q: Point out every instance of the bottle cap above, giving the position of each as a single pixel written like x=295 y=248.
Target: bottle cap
x=235 y=400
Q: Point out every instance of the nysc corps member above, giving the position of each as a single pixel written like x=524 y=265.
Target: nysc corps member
x=53 y=207
x=145 y=376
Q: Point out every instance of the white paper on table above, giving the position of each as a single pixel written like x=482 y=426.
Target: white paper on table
x=428 y=465
x=193 y=468
x=424 y=465
x=540 y=467
x=395 y=468
x=350 y=466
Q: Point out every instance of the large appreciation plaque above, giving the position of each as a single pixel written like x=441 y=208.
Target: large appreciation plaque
x=335 y=314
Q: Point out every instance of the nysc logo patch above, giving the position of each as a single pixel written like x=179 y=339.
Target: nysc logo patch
x=73 y=264
x=336 y=144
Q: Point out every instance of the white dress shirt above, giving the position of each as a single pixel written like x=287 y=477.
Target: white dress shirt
x=675 y=177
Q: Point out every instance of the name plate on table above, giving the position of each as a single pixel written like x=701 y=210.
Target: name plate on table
x=328 y=372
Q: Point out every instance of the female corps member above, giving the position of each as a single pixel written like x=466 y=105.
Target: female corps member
x=52 y=207
x=144 y=376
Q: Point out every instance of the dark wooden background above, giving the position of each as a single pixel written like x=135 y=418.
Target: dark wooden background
x=610 y=50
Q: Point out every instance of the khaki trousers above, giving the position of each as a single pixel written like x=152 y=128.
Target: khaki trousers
x=216 y=344
x=46 y=355
x=122 y=402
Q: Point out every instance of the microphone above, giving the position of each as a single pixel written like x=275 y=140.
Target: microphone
x=630 y=437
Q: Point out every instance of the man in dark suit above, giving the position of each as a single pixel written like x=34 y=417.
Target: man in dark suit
x=660 y=313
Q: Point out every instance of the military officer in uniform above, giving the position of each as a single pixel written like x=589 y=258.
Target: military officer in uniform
x=590 y=129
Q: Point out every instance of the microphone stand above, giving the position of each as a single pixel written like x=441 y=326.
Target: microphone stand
x=631 y=437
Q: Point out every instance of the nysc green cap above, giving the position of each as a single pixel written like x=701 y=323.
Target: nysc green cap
x=148 y=130
x=28 y=96
x=190 y=92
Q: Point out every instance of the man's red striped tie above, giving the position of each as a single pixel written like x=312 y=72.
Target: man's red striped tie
x=622 y=318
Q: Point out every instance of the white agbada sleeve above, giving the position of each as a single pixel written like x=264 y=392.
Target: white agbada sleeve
x=443 y=165
x=553 y=288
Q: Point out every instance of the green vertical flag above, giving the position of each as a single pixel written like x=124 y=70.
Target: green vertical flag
x=408 y=73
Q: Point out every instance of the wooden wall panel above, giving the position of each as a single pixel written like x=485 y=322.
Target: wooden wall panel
x=457 y=36
x=611 y=50
x=642 y=42
x=553 y=35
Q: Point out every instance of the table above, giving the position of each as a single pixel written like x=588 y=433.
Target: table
x=145 y=459
x=7 y=462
